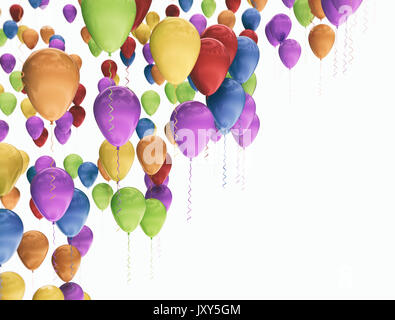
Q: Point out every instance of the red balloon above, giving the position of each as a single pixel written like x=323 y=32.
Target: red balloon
x=78 y=115
x=142 y=7
x=172 y=11
x=42 y=139
x=159 y=177
x=211 y=66
x=225 y=35
x=250 y=34
x=128 y=47
x=233 y=5
x=80 y=95
x=107 y=66
x=16 y=12
x=35 y=211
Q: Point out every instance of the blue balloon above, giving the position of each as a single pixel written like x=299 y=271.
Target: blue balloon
x=185 y=4
x=35 y=3
x=10 y=29
x=227 y=104
x=127 y=62
x=11 y=232
x=57 y=36
x=251 y=19
x=148 y=74
x=246 y=59
x=145 y=127
x=75 y=217
x=31 y=173
x=88 y=172
x=192 y=84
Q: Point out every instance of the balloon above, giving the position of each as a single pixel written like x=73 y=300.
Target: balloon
x=30 y=174
x=109 y=68
x=10 y=29
x=321 y=39
x=71 y=164
x=69 y=12
x=148 y=75
x=344 y=6
x=127 y=62
x=172 y=11
x=43 y=138
x=175 y=46
x=21 y=30
x=16 y=12
x=194 y=121
x=35 y=127
x=4 y=128
x=33 y=249
x=102 y=194
x=227 y=18
x=46 y=33
x=57 y=44
x=44 y=4
x=185 y=92
x=151 y=152
x=170 y=91
x=258 y=4
x=62 y=136
x=249 y=135
x=11 y=165
x=233 y=5
x=208 y=7
x=109 y=21
x=34 y=210
x=246 y=116
x=80 y=95
x=316 y=9
x=185 y=4
x=57 y=37
x=35 y=3
x=16 y=81
x=88 y=172
x=12 y=286
x=147 y=54
x=87 y=296
x=145 y=127
x=128 y=207
x=227 y=104
x=66 y=260
x=199 y=21
x=159 y=177
x=85 y=35
x=52 y=191
x=290 y=51
x=72 y=291
x=48 y=293
x=11 y=199
x=7 y=62
x=280 y=27
x=251 y=18
x=142 y=7
x=109 y=159
x=65 y=122
x=143 y=33
x=105 y=83
x=94 y=48
x=161 y=193
x=51 y=80
x=117 y=111
x=303 y=13
x=150 y=101
x=7 y=103
x=154 y=217
x=102 y=171
x=25 y=159
x=157 y=76
x=27 y=108
x=250 y=34
x=169 y=133
x=210 y=68
x=149 y=184
x=152 y=19
x=78 y=115
x=82 y=241
x=44 y=162
x=128 y=47
x=289 y=3
x=11 y=231
x=30 y=38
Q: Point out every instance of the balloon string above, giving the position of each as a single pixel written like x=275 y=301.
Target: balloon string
x=290 y=87
x=127 y=76
x=118 y=169
x=128 y=261
x=151 y=264
x=335 y=67
x=320 y=81
x=224 y=176
x=52 y=134
x=345 y=49
x=243 y=179
x=53 y=255
x=365 y=19
x=238 y=165
x=351 y=41
x=206 y=153
x=53 y=187
x=190 y=192
x=33 y=280
x=111 y=110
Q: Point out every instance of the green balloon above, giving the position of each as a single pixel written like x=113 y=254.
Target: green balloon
x=185 y=92
x=170 y=91
x=208 y=7
x=109 y=21
x=3 y=38
x=71 y=164
x=150 y=101
x=94 y=48
x=303 y=12
x=7 y=103
x=154 y=217
x=250 y=85
x=102 y=194
x=16 y=81
x=128 y=207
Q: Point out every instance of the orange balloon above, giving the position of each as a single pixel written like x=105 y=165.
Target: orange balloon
x=228 y=18
x=258 y=4
x=321 y=39
x=11 y=199
x=66 y=260
x=33 y=249
x=77 y=60
x=102 y=171
x=30 y=38
x=158 y=78
x=316 y=9
x=169 y=134
x=46 y=33
x=51 y=80
x=151 y=152
x=86 y=36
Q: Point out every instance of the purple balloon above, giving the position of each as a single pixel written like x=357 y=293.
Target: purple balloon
x=280 y=27
x=82 y=241
x=195 y=125
x=150 y=184
x=161 y=193
x=65 y=122
x=44 y=4
x=147 y=54
x=117 y=112
x=199 y=21
x=57 y=44
x=69 y=12
x=344 y=6
x=290 y=52
x=273 y=41
x=249 y=135
x=52 y=190
x=247 y=115
x=4 y=128
x=72 y=291
x=62 y=136
x=105 y=83
x=44 y=162
x=7 y=62
x=333 y=15
x=35 y=127
x=289 y=3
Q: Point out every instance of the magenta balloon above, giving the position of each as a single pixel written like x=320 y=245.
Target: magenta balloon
x=7 y=62
x=192 y=123
x=161 y=193
x=199 y=21
x=4 y=128
x=149 y=184
x=62 y=136
x=72 y=291
x=35 y=127
x=44 y=162
x=117 y=112
x=273 y=41
x=289 y=3
x=280 y=27
x=105 y=83
x=249 y=135
x=57 y=44
x=52 y=190
x=69 y=12
x=247 y=115
x=65 y=122
x=82 y=241
x=147 y=54
x=290 y=52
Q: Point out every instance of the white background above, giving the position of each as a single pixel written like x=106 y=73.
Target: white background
x=316 y=219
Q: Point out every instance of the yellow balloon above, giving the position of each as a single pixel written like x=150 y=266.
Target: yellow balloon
x=142 y=33
x=48 y=293
x=87 y=296
x=27 y=108
x=1 y=89
x=175 y=47
x=11 y=165
x=108 y=158
x=116 y=79
x=26 y=160
x=12 y=286
x=152 y=19
x=21 y=30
